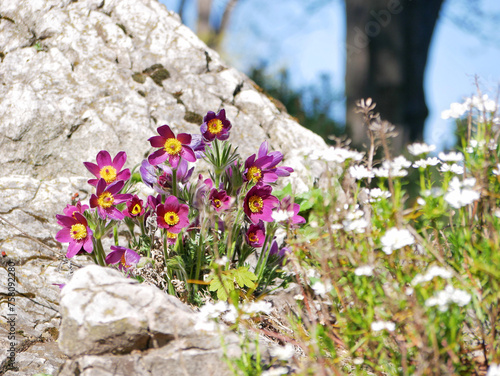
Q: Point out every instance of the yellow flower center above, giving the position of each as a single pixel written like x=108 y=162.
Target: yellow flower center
x=173 y=146
x=105 y=200
x=217 y=203
x=171 y=236
x=171 y=218
x=108 y=173
x=255 y=204
x=78 y=231
x=253 y=237
x=136 y=209
x=254 y=174
x=124 y=262
x=215 y=126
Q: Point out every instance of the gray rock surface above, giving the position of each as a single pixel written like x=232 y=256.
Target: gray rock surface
x=81 y=76
x=137 y=329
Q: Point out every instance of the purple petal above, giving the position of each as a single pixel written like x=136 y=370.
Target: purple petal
x=122 y=197
x=174 y=159
x=88 y=246
x=184 y=138
x=158 y=157
x=92 y=167
x=132 y=257
x=283 y=171
x=64 y=235
x=92 y=182
x=115 y=187
x=263 y=149
x=165 y=131
x=93 y=201
x=114 y=213
x=73 y=249
x=188 y=154
x=123 y=175
x=101 y=186
x=64 y=220
x=209 y=116
x=119 y=160
x=103 y=159
x=157 y=141
x=115 y=256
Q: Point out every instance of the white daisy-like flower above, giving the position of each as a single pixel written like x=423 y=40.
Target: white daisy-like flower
x=417 y=149
x=396 y=168
x=433 y=271
x=395 y=239
x=337 y=155
x=282 y=352
x=357 y=225
x=360 y=172
x=452 y=156
x=424 y=163
x=456 y=110
x=376 y=194
x=321 y=288
x=366 y=270
x=281 y=215
x=258 y=307
x=442 y=299
x=454 y=168
x=496 y=171
x=460 y=194
x=276 y=371
x=381 y=325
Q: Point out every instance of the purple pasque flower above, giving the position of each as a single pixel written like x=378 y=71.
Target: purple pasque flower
x=219 y=199
x=69 y=210
x=288 y=211
x=198 y=145
x=125 y=258
x=134 y=208
x=171 y=238
x=262 y=168
x=171 y=147
x=280 y=253
x=259 y=203
x=76 y=231
x=256 y=234
x=172 y=216
x=107 y=169
x=106 y=197
x=160 y=177
x=215 y=126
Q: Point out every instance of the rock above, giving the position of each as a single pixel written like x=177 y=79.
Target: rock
x=80 y=77
x=136 y=328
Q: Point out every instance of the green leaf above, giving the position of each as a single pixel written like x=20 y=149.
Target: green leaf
x=244 y=277
x=223 y=285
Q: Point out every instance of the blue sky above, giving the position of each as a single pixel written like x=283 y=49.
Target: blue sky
x=311 y=43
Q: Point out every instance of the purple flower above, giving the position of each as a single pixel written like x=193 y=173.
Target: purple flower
x=77 y=232
x=153 y=201
x=172 y=215
x=71 y=209
x=290 y=210
x=171 y=238
x=198 y=145
x=106 y=197
x=219 y=199
x=279 y=253
x=124 y=257
x=259 y=203
x=160 y=177
x=262 y=168
x=256 y=234
x=215 y=126
x=171 y=147
x=134 y=207
x=107 y=169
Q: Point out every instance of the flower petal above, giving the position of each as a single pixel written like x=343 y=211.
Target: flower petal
x=93 y=168
x=73 y=249
x=184 y=138
x=119 y=160
x=159 y=156
x=188 y=154
x=64 y=235
x=103 y=159
x=165 y=131
x=157 y=141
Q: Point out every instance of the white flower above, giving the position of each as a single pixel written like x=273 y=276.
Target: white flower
x=433 y=271
x=396 y=168
x=381 y=325
x=447 y=296
x=357 y=225
x=360 y=172
x=321 y=288
x=355 y=214
x=364 y=270
x=312 y=273
x=452 y=156
x=298 y=297
x=230 y=315
x=211 y=310
x=376 y=194
x=493 y=370
x=459 y=193
x=221 y=261
x=260 y=306
x=420 y=201
x=336 y=226
x=276 y=371
x=456 y=110
x=205 y=325
x=424 y=163
x=282 y=353
x=281 y=215
x=497 y=213
x=497 y=170
x=418 y=148
x=454 y=168
x=396 y=239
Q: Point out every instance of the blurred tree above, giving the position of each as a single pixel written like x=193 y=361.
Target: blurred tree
x=387 y=47
x=311 y=105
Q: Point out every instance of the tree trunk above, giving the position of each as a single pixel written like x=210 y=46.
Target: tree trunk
x=387 y=46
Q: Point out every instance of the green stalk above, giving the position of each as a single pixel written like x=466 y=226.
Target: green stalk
x=174 y=182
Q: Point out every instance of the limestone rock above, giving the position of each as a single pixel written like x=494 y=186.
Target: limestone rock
x=136 y=328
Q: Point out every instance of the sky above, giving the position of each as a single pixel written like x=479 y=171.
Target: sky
x=311 y=42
